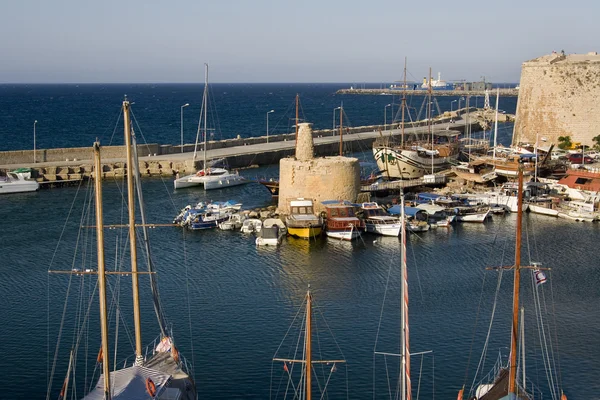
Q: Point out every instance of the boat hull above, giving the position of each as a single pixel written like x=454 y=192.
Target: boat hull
x=408 y=164
x=348 y=235
x=479 y=217
x=305 y=232
x=384 y=229
x=224 y=181
x=18 y=187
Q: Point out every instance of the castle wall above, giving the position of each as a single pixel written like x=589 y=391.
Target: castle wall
x=559 y=96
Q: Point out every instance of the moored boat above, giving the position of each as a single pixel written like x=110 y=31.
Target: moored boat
x=17 y=182
x=342 y=222
x=272 y=232
x=302 y=222
x=379 y=221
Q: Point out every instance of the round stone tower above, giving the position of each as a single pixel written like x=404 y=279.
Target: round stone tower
x=318 y=179
x=558 y=96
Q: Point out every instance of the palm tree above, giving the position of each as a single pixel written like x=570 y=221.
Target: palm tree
x=564 y=142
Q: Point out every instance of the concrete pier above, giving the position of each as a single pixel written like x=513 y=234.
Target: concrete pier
x=56 y=165
x=423 y=92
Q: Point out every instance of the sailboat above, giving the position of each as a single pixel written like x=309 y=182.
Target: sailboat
x=418 y=156
x=507 y=384
x=310 y=368
x=210 y=178
x=159 y=372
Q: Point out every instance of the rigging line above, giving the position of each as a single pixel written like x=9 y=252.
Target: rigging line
x=487 y=339
x=412 y=250
x=189 y=303
x=559 y=377
x=118 y=119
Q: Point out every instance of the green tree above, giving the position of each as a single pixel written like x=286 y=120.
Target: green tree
x=564 y=142
x=596 y=140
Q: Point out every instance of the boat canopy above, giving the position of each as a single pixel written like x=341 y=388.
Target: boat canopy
x=428 y=196
x=408 y=211
x=339 y=203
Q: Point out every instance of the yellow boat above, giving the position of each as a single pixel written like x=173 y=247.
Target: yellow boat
x=302 y=222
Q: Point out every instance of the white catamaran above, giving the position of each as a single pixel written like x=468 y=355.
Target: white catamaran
x=210 y=178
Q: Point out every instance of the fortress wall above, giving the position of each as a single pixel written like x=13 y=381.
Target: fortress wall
x=559 y=96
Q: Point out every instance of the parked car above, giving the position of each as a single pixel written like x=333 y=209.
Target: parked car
x=578 y=158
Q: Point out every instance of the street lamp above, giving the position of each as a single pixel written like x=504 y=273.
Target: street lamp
x=182 y=107
x=459 y=99
x=34 y=122
x=269 y=112
x=385 y=116
x=452 y=102
x=333 y=128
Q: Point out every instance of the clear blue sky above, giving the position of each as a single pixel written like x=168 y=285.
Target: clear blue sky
x=284 y=40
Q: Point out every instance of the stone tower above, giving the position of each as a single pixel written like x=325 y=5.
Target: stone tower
x=318 y=179
x=559 y=96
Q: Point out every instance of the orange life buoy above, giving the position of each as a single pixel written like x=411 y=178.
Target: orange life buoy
x=150 y=387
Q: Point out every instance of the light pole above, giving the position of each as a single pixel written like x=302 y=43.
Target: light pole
x=182 y=107
x=459 y=99
x=269 y=112
x=333 y=128
x=34 y=123
x=385 y=116
x=451 y=103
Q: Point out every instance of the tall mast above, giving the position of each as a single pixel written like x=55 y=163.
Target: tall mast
x=403 y=104
x=297 y=102
x=496 y=122
x=512 y=382
x=205 y=103
x=429 y=117
x=101 y=270
x=308 y=350
x=341 y=128
x=132 y=237
x=406 y=392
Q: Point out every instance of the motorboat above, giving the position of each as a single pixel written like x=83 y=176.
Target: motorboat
x=17 y=182
x=302 y=221
x=379 y=221
x=235 y=221
x=251 y=225
x=416 y=218
x=342 y=223
x=272 y=232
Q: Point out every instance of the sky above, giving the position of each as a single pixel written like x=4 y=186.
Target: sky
x=108 y=41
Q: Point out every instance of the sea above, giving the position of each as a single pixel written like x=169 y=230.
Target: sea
x=230 y=303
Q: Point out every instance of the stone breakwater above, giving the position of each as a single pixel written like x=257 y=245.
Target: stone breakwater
x=72 y=164
x=424 y=92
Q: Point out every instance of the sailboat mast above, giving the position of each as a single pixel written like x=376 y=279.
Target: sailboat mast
x=496 y=122
x=403 y=104
x=308 y=352
x=429 y=117
x=341 y=128
x=297 y=103
x=406 y=392
x=512 y=382
x=101 y=270
x=205 y=103
x=132 y=236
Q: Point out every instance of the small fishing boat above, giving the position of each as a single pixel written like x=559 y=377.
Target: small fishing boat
x=417 y=219
x=302 y=221
x=272 y=232
x=378 y=221
x=251 y=225
x=235 y=221
x=342 y=223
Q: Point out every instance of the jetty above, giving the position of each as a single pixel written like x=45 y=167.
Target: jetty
x=424 y=92
x=66 y=165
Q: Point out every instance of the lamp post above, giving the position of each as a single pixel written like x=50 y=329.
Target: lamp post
x=333 y=127
x=182 y=107
x=459 y=99
x=269 y=112
x=34 y=123
x=385 y=116
x=451 y=103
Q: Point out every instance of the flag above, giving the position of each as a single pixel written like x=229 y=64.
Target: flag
x=285 y=367
x=539 y=277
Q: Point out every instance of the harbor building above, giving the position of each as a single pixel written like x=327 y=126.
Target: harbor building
x=318 y=179
x=559 y=96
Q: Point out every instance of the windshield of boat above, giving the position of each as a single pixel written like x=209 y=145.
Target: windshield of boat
x=302 y=210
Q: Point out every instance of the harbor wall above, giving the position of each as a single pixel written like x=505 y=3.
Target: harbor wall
x=558 y=96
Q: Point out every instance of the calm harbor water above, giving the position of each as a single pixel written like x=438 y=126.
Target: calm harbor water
x=231 y=303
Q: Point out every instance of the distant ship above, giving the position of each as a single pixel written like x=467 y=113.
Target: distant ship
x=438 y=84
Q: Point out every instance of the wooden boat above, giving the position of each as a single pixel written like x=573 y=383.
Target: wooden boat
x=506 y=384
x=379 y=221
x=272 y=186
x=341 y=222
x=323 y=371
x=302 y=222
x=210 y=178
x=160 y=371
